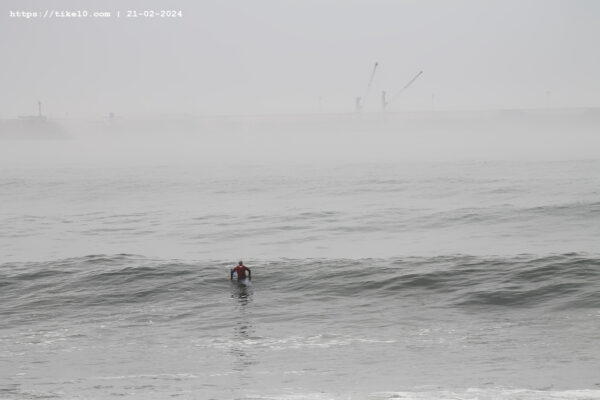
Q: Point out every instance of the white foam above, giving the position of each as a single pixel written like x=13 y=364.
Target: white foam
x=490 y=394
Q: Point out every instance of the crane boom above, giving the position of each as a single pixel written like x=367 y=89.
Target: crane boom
x=371 y=78
x=360 y=101
x=407 y=85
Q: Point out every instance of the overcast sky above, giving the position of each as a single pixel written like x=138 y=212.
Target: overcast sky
x=257 y=56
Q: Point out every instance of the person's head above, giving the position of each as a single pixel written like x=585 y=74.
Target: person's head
x=240 y=262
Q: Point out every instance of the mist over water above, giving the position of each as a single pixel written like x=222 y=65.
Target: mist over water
x=314 y=139
x=415 y=186
x=289 y=210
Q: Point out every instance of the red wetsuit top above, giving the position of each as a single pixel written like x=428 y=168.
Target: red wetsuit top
x=241 y=271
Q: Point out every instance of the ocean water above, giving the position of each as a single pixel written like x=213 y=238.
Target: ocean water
x=447 y=280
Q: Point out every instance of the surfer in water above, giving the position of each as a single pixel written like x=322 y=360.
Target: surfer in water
x=241 y=271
